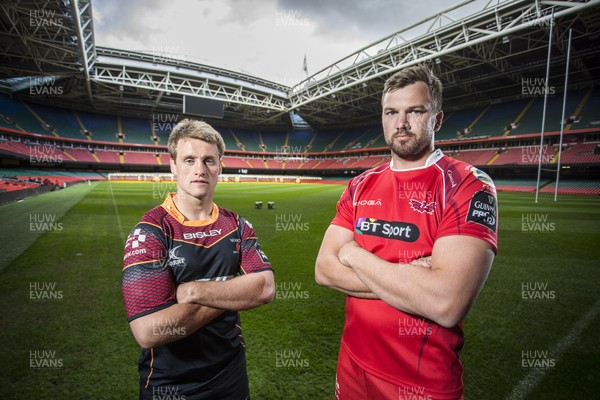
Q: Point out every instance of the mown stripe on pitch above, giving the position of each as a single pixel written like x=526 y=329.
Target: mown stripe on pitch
x=17 y=234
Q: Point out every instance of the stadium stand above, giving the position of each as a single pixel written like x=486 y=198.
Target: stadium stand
x=251 y=140
x=100 y=127
x=347 y=139
x=489 y=142
x=528 y=155
x=474 y=157
x=22 y=116
x=515 y=185
x=300 y=141
x=580 y=186
x=15 y=147
x=498 y=117
x=139 y=158
x=457 y=122
x=109 y=157
x=61 y=121
x=12 y=180
x=135 y=130
x=320 y=141
x=581 y=153
x=81 y=155
x=271 y=141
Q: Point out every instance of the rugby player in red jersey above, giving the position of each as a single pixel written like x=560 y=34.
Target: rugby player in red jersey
x=411 y=245
x=189 y=267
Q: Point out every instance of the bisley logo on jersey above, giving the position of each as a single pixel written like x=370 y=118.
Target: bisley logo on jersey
x=395 y=230
x=201 y=235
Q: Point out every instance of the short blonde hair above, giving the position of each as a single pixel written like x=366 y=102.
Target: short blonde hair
x=190 y=128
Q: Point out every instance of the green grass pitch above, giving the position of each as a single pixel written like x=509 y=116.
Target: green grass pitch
x=531 y=334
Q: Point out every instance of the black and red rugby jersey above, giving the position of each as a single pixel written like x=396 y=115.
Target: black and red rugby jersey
x=163 y=251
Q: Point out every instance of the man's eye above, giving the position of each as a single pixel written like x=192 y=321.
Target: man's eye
x=391 y=113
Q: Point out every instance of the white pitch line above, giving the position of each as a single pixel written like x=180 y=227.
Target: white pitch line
x=119 y=226
x=530 y=382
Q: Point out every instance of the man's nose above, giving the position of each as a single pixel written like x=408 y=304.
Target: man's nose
x=401 y=122
x=199 y=168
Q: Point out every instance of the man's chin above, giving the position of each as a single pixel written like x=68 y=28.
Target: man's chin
x=409 y=153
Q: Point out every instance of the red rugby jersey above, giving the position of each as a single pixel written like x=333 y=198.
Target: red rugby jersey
x=398 y=215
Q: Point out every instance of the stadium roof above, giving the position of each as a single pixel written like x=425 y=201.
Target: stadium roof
x=493 y=54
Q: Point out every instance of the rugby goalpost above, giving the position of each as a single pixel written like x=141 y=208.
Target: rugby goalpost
x=236 y=178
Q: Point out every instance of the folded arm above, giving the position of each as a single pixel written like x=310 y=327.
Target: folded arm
x=170 y=324
x=243 y=292
x=443 y=293
x=333 y=274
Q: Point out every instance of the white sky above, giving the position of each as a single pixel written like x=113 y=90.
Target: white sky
x=265 y=38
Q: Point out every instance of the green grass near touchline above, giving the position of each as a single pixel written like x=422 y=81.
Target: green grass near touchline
x=19 y=231
x=87 y=328
x=502 y=323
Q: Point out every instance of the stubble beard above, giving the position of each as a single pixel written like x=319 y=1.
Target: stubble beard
x=413 y=149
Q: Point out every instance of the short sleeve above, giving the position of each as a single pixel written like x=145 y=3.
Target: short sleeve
x=147 y=283
x=473 y=211
x=253 y=258
x=344 y=215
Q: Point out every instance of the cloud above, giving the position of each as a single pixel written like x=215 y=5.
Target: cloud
x=373 y=18
x=266 y=38
x=125 y=21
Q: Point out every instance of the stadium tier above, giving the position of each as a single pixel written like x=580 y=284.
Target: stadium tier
x=508 y=118
x=99 y=139
x=12 y=180
x=475 y=157
x=301 y=141
x=135 y=130
x=15 y=147
x=574 y=187
x=581 y=153
x=525 y=155
x=81 y=155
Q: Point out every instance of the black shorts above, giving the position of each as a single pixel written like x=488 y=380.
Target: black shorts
x=230 y=384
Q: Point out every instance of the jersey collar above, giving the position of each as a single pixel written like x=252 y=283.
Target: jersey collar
x=432 y=159
x=171 y=209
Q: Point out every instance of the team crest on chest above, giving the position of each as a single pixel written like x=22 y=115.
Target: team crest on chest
x=422 y=206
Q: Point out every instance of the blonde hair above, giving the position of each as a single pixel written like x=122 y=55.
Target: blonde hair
x=189 y=128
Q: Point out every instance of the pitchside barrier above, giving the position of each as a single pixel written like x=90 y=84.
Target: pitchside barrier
x=236 y=178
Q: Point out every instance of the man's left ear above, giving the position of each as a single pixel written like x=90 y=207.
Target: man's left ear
x=438 y=121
